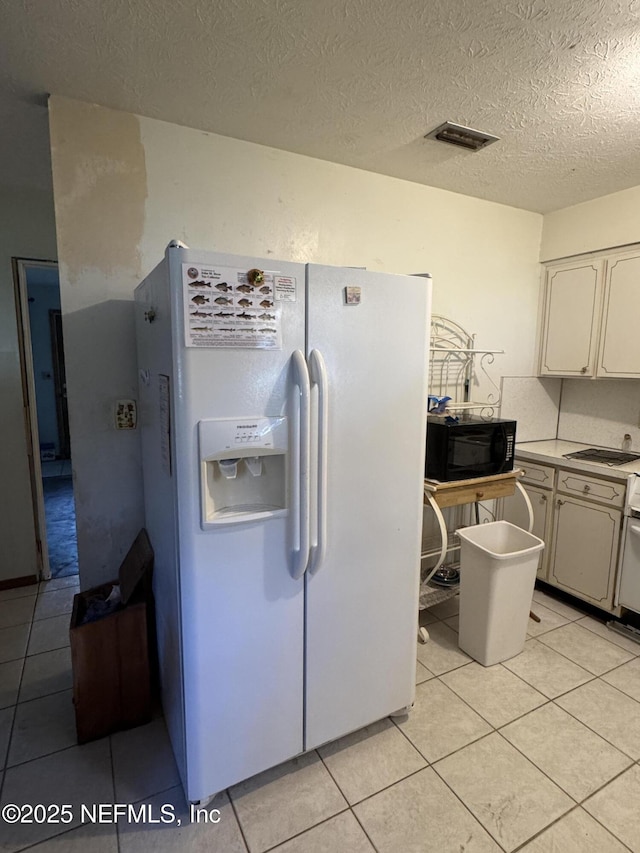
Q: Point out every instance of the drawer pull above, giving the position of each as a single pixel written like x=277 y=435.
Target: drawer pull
x=479 y=495
x=587 y=488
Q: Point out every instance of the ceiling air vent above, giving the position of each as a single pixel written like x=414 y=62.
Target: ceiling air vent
x=465 y=137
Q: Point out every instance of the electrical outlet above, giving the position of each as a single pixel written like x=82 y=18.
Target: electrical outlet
x=126 y=414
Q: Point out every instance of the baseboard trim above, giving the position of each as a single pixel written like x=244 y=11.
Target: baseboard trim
x=14 y=583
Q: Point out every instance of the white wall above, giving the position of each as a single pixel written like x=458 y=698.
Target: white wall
x=612 y=220
x=27 y=230
x=220 y=193
x=124 y=186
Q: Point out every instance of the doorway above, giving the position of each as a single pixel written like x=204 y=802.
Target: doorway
x=44 y=389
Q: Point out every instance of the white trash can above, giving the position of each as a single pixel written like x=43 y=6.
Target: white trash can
x=498 y=564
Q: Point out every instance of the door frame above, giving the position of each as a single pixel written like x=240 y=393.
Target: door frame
x=19 y=266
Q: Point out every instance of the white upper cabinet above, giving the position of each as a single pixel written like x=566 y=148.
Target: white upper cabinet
x=591 y=306
x=619 y=353
x=572 y=302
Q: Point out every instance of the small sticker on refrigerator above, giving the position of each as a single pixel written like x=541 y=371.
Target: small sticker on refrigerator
x=223 y=308
x=285 y=288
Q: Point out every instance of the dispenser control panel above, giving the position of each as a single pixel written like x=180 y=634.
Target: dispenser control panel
x=229 y=436
x=254 y=432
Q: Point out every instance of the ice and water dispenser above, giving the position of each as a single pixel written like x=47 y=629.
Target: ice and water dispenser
x=243 y=474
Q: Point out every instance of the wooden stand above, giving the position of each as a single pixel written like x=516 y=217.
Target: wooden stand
x=442 y=495
x=470 y=491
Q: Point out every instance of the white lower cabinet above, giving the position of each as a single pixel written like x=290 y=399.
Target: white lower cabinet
x=579 y=518
x=515 y=511
x=584 y=551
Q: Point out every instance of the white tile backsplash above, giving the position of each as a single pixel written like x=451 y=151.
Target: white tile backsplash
x=533 y=403
x=600 y=412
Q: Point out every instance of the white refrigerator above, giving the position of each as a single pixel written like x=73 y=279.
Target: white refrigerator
x=283 y=418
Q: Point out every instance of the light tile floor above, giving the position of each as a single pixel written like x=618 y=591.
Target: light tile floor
x=539 y=754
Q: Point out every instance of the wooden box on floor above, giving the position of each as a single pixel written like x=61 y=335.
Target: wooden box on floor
x=110 y=656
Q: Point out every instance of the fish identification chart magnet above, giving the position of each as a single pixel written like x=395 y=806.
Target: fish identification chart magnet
x=228 y=307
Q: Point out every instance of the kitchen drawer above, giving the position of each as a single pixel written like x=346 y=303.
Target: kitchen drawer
x=536 y=474
x=588 y=487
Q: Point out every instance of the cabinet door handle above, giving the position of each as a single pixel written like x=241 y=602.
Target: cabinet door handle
x=543 y=499
x=584 y=369
x=559 y=502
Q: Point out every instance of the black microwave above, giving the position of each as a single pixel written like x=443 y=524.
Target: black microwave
x=468 y=446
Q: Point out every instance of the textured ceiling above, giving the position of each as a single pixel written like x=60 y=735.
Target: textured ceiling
x=357 y=82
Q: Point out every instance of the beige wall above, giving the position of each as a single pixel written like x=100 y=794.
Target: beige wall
x=99 y=188
x=612 y=220
x=124 y=186
x=27 y=230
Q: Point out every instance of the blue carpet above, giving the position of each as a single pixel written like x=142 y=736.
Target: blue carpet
x=60 y=513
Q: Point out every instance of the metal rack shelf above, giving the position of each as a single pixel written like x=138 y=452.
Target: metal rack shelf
x=457 y=368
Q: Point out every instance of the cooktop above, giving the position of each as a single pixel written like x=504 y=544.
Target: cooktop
x=608 y=457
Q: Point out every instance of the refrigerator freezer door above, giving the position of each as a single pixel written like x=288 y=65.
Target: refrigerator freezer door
x=242 y=613
x=362 y=602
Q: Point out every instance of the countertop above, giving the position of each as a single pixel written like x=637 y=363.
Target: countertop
x=552 y=452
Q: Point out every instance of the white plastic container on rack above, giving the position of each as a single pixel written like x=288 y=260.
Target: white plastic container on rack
x=498 y=564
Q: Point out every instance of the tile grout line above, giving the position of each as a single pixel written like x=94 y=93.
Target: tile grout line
x=635 y=760
x=552 y=698
x=302 y=832
x=613 y=642
x=540 y=770
x=237 y=817
x=44 y=695
x=535 y=766
x=15 y=706
x=349 y=804
x=475 y=710
x=595 y=674
x=461 y=801
x=548 y=701
x=577 y=808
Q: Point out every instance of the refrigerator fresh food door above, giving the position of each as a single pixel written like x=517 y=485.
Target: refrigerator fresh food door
x=367 y=346
x=242 y=612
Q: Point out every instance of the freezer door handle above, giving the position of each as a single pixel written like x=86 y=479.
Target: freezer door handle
x=303 y=451
x=318 y=374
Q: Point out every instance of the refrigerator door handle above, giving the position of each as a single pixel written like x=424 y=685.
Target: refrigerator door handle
x=318 y=374
x=303 y=450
